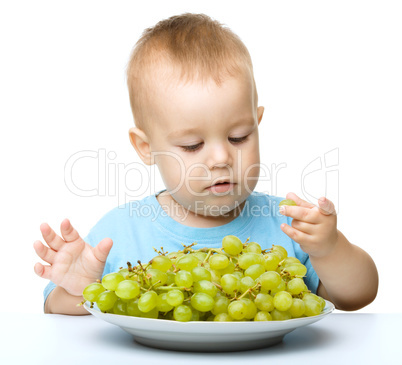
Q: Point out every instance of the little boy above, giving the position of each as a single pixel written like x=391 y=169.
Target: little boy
x=195 y=107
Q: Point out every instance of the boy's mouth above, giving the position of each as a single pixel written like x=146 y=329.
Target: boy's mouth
x=221 y=186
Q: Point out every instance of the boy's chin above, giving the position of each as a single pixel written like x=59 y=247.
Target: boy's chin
x=220 y=210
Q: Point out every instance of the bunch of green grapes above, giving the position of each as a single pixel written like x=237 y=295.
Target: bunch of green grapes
x=237 y=282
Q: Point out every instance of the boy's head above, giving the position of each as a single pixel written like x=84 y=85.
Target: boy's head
x=189 y=72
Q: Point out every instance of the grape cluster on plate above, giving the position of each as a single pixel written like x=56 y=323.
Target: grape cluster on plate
x=237 y=282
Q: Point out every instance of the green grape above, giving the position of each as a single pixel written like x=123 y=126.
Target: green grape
x=310 y=296
x=175 y=297
x=290 y=260
x=223 y=317
x=184 y=278
x=171 y=278
x=237 y=309
x=278 y=315
x=238 y=274
x=269 y=280
x=280 y=251
x=110 y=281
x=195 y=314
x=271 y=261
x=162 y=305
x=106 y=300
x=295 y=286
x=279 y=288
x=232 y=245
x=205 y=286
x=187 y=262
x=287 y=202
x=283 y=301
x=173 y=256
x=251 y=310
x=128 y=289
x=162 y=263
x=221 y=305
x=264 y=302
x=323 y=303
x=246 y=283
x=249 y=258
x=132 y=308
x=262 y=316
x=296 y=270
x=120 y=307
x=315 y=297
x=124 y=272
x=297 y=309
x=229 y=283
x=312 y=307
x=147 y=301
x=202 y=302
x=200 y=273
x=218 y=262
x=182 y=313
x=158 y=277
x=254 y=271
x=153 y=313
x=92 y=291
x=253 y=247
x=215 y=276
x=228 y=269
x=200 y=255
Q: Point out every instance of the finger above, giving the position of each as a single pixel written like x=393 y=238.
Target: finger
x=300 y=202
x=101 y=251
x=296 y=235
x=42 y=270
x=51 y=238
x=45 y=253
x=307 y=215
x=306 y=228
x=68 y=232
x=326 y=206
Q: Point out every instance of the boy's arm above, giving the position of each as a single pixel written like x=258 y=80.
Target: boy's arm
x=61 y=302
x=348 y=275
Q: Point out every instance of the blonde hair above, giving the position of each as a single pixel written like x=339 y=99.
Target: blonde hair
x=197 y=46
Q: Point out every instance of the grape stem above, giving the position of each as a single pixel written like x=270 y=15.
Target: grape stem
x=210 y=251
x=188 y=248
x=248 y=291
x=170 y=287
x=159 y=281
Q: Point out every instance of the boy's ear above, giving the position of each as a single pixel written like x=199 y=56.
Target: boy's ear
x=260 y=112
x=140 y=142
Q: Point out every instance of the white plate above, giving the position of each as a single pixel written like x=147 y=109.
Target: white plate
x=206 y=336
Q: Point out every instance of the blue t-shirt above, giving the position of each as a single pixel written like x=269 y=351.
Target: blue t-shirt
x=139 y=226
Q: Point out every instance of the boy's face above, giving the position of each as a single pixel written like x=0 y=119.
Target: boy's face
x=204 y=133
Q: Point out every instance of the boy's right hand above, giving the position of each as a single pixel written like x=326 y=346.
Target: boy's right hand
x=74 y=264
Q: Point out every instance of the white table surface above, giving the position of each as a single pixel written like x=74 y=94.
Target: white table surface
x=339 y=338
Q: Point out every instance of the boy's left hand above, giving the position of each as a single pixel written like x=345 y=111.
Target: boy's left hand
x=314 y=228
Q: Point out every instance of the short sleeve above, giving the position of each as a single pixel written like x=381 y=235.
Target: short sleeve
x=311 y=278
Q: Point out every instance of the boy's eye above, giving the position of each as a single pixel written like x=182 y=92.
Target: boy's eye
x=191 y=148
x=238 y=140
x=195 y=147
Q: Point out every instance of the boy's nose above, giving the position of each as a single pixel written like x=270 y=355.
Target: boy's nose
x=219 y=156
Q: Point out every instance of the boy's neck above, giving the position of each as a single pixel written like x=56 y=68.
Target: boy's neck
x=188 y=218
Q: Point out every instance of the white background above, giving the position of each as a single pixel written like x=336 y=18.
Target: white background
x=328 y=73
